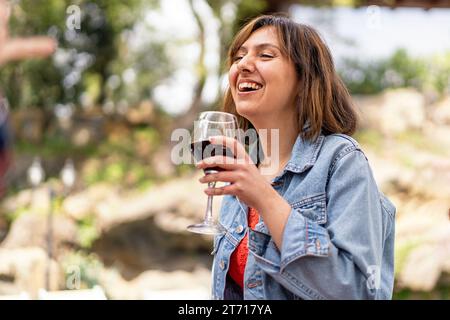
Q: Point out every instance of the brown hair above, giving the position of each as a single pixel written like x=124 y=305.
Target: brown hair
x=322 y=98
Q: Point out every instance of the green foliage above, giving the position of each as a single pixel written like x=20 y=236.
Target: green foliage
x=13 y=215
x=439 y=73
x=114 y=172
x=51 y=146
x=183 y=169
x=111 y=172
x=87 y=232
x=119 y=171
x=85 y=267
x=416 y=139
x=402 y=253
x=246 y=10
x=399 y=70
x=441 y=292
x=86 y=58
x=124 y=159
x=371 y=138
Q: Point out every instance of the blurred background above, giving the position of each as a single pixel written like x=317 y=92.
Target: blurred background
x=94 y=206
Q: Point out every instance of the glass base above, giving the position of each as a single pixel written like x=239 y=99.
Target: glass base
x=206 y=228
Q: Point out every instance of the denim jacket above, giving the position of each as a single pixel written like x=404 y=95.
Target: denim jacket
x=338 y=242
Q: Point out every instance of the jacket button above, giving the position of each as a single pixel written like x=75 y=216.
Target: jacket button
x=222 y=264
x=239 y=228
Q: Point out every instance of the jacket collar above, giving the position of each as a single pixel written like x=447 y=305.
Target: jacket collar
x=304 y=154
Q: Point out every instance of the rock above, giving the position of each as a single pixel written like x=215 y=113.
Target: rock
x=425 y=175
x=81 y=205
x=130 y=248
x=37 y=200
x=183 y=197
x=77 y=207
x=441 y=111
x=420 y=190
x=424 y=267
x=153 y=284
x=437 y=136
x=422 y=244
x=385 y=174
x=25 y=270
x=116 y=288
x=131 y=225
x=393 y=111
x=13 y=203
x=30 y=230
x=431 y=180
x=96 y=293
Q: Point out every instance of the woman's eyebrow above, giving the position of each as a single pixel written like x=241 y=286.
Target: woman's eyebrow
x=261 y=46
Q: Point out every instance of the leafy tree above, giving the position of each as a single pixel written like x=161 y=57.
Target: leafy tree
x=86 y=58
x=399 y=70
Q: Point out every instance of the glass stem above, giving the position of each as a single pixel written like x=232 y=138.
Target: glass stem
x=209 y=214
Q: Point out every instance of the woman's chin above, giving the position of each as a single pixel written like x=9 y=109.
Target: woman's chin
x=247 y=111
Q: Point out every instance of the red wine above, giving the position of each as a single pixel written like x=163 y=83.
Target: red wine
x=204 y=149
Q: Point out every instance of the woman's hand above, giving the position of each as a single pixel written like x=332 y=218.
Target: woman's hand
x=247 y=183
x=20 y=48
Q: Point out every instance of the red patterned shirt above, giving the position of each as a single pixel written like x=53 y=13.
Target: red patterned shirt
x=238 y=259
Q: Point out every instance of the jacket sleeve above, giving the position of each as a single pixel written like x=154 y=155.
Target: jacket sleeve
x=339 y=259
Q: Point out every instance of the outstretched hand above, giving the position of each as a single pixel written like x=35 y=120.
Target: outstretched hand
x=12 y=49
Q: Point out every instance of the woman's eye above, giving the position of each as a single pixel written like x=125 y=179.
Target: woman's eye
x=262 y=55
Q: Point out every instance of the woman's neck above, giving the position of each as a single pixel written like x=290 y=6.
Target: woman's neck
x=277 y=140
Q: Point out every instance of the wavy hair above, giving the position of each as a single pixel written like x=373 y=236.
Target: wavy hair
x=323 y=103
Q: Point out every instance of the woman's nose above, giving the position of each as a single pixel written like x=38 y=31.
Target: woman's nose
x=246 y=64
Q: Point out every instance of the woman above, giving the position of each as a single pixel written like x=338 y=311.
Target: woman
x=318 y=228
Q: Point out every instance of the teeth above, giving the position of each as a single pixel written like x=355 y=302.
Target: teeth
x=250 y=85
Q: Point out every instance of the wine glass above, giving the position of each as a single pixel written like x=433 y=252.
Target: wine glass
x=211 y=123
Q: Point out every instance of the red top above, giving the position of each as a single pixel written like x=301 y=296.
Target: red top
x=238 y=258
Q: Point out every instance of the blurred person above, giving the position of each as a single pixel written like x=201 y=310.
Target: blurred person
x=4 y=143
x=15 y=49
x=319 y=228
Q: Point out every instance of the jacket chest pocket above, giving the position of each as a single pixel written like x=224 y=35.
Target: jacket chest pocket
x=313 y=207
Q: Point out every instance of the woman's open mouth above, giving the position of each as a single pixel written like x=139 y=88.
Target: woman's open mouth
x=247 y=87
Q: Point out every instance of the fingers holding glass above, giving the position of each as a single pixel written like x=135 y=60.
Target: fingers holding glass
x=208 y=125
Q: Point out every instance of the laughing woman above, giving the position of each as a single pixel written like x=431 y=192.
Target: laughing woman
x=318 y=228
